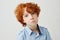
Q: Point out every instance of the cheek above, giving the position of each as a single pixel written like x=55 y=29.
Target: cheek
x=35 y=17
x=26 y=20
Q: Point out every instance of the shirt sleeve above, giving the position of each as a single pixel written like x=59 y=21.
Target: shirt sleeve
x=48 y=37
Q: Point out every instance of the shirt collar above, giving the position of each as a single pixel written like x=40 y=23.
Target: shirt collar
x=39 y=29
x=29 y=31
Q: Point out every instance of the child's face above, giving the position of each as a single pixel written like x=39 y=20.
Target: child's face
x=30 y=19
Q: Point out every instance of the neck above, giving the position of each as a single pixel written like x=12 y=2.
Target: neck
x=34 y=28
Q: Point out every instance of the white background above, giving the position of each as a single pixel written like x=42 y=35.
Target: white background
x=49 y=18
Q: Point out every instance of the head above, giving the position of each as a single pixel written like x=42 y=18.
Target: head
x=27 y=13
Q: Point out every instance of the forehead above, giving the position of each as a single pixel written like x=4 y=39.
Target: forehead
x=27 y=11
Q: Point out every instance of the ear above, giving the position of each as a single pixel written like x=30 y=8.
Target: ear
x=23 y=20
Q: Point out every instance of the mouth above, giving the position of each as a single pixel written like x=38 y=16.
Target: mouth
x=32 y=21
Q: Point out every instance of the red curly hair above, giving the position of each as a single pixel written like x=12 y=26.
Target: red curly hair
x=30 y=8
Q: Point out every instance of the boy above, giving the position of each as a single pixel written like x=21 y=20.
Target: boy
x=27 y=14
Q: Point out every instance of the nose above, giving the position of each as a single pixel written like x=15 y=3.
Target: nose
x=31 y=16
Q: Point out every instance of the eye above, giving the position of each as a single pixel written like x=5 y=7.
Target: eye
x=26 y=15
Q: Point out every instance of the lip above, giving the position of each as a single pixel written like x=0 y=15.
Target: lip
x=32 y=21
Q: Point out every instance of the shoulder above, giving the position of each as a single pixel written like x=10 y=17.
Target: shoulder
x=43 y=29
x=20 y=35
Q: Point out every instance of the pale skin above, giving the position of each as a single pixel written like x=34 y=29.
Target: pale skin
x=31 y=20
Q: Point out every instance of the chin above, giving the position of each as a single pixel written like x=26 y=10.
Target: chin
x=33 y=24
